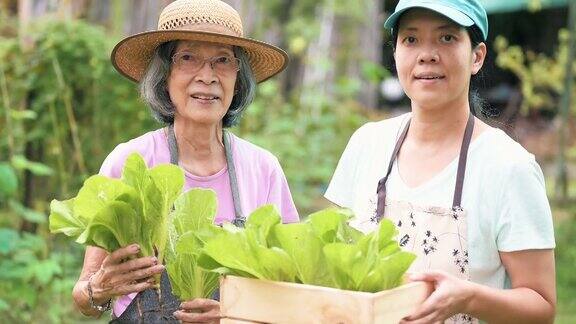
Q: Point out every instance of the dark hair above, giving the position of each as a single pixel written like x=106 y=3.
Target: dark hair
x=476 y=102
x=154 y=85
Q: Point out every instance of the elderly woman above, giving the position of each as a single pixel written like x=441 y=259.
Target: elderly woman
x=198 y=74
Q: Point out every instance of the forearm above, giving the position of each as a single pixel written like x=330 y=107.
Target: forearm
x=519 y=305
x=82 y=299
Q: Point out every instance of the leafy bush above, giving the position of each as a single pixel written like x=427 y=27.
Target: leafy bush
x=307 y=143
x=565 y=261
x=541 y=77
x=62 y=108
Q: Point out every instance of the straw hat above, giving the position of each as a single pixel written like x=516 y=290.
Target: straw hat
x=196 y=20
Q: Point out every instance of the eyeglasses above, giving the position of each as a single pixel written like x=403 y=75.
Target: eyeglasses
x=190 y=62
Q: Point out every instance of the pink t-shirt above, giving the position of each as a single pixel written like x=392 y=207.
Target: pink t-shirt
x=260 y=180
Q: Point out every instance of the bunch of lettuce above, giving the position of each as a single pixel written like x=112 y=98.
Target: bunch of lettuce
x=146 y=206
x=323 y=250
x=192 y=226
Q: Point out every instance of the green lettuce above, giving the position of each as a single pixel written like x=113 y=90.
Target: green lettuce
x=192 y=225
x=113 y=213
x=323 y=250
x=246 y=252
x=147 y=206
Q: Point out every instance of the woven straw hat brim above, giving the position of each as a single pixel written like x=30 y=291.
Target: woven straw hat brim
x=132 y=55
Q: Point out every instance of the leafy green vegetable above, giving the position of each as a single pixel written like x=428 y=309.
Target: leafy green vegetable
x=113 y=213
x=324 y=250
x=245 y=252
x=372 y=264
x=192 y=225
x=147 y=207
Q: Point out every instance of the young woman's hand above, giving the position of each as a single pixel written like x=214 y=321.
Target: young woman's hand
x=199 y=310
x=119 y=275
x=451 y=296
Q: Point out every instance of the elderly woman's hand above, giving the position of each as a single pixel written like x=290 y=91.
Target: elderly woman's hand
x=120 y=275
x=199 y=310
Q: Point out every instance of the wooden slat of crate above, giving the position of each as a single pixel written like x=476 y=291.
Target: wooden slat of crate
x=392 y=305
x=279 y=302
x=235 y=321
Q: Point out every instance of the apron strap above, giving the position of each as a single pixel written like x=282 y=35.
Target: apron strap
x=457 y=200
x=381 y=190
x=239 y=219
x=172 y=145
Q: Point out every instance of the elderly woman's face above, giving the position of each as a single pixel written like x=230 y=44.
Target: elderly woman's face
x=434 y=59
x=201 y=82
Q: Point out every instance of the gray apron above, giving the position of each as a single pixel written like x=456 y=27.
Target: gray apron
x=158 y=306
x=437 y=235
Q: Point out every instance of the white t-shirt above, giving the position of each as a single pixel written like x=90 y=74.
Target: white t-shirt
x=504 y=193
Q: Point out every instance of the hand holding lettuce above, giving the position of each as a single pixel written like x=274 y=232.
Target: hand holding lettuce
x=147 y=207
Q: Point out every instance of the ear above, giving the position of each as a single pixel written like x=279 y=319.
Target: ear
x=478 y=56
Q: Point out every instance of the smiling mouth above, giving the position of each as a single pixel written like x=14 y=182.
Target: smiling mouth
x=205 y=97
x=430 y=78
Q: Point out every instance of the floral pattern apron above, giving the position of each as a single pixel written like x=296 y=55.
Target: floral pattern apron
x=437 y=235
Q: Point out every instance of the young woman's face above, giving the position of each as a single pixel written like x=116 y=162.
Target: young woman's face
x=435 y=59
x=201 y=82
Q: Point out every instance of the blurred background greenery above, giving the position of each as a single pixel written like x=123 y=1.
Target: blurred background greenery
x=63 y=108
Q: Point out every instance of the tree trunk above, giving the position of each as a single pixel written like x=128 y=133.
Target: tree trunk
x=370 y=39
x=317 y=79
x=562 y=172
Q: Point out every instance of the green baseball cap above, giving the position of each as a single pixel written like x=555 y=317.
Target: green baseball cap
x=463 y=12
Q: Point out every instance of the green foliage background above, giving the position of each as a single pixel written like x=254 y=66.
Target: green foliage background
x=63 y=108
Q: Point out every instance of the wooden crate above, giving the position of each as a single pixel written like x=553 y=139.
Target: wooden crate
x=244 y=300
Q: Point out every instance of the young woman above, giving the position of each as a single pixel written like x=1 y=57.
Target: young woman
x=467 y=200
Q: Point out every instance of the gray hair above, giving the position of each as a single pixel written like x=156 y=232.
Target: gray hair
x=154 y=86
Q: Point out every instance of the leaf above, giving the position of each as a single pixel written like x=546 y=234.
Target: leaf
x=8 y=240
x=305 y=250
x=3 y=305
x=192 y=224
x=340 y=258
x=8 y=180
x=386 y=233
x=331 y=226
x=27 y=213
x=275 y=263
x=261 y=221
x=239 y=260
x=21 y=163
x=97 y=192
x=23 y=114
x=134 y=171
x=46 y=270
x=393 y=267
x=187 y=278
x=111 y=213
x=194 y=210
x=116 y=225
x=63 y=220
x=169 y=179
